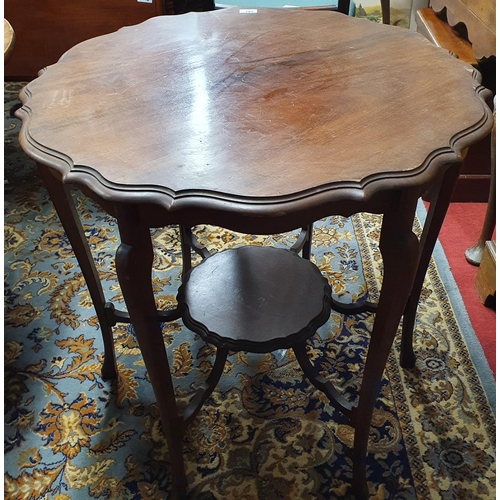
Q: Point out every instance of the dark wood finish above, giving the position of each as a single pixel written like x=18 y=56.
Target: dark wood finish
x=310 y=129
x=183 y=6
x=261 y=123
x=466 y=29
x=236 y=298
x=440 y=197
x=343 y=6
x=303 y=242
x=385 y=7
x=435 y=27
x=46 y=29
x=486 y=276
x=474 y=254
x=63 y=203
x=135 y=254
x=256 y=299
x=396 y=240
x=475 y=177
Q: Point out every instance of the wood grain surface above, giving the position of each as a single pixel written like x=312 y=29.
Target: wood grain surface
x=276 y=105
x=479 y=16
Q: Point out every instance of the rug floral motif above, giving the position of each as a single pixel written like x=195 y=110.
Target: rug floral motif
x=265 y=433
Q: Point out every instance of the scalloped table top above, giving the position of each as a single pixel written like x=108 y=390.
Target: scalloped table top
x=264 y=105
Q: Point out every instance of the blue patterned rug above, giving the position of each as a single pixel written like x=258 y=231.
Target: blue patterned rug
x=265 y=433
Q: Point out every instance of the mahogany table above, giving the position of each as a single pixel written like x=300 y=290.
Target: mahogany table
x=261 y=121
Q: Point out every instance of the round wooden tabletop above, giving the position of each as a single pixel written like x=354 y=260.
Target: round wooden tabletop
x=237 y=298
x=253 y=107
x=8 y=39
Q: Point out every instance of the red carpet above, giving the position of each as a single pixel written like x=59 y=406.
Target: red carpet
x=460 y=231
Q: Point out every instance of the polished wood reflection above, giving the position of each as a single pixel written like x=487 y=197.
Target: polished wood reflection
x=261 y=123
x=229 y=99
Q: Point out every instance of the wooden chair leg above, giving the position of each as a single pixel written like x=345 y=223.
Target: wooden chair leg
x=185 y=236
x=65 y=208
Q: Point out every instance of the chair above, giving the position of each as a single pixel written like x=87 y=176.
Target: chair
x=346 y=7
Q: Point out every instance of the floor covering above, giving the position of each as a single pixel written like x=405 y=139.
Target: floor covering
x=461 y=230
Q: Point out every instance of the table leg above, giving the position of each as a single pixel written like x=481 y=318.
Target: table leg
x=65 y=208
x=185 y=237
x=134 y=259
x=204 y=392
x=399 y=249
x=304 y=242
x=439 y=202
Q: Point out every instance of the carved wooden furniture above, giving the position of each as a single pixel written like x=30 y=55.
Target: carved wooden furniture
x=234 y=301
x=260 y=123
x=483 y=253
x=441 y=22
x=466 y=29
x=486 y=275
x=47 y=28
x=474 y=254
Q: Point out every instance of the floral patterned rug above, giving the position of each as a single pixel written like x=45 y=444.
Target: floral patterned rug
x=265 y=433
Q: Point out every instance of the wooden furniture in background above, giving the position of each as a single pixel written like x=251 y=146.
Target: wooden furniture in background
x=467 y=30
x=483 y=253
x=260 y=123
x=45 y=29
x=479 y=18
x=486 y=276
x=474 y=254
x=435 y=27
x=8 y=40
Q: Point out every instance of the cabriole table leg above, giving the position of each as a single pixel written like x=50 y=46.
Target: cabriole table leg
x=65 y=208
x=399 y=249
x=134 y=260
x=440 y=200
